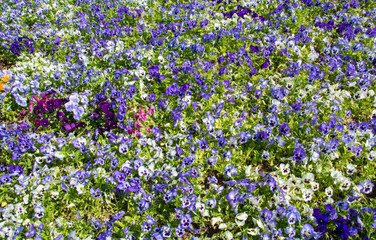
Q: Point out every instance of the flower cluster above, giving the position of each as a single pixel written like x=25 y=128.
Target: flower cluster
x=192 y=119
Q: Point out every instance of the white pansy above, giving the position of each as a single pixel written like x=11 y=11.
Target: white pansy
x=143 y=171
x=141 y=72
x=302 y=93
x=59 y=155
x=40 y=189
x=329 y=201
x=26 y=222
x=307 y=210
x=174 y=173
x=345 y=185
x=205 y=213
x=54 y=195
x=259 y=223
x=25 y=199
x=307 y=194
x=228 y=235
x=222 y=226
x=242 y=216
x=372 y=155
x=351 y=169
x=239 y=223
x=19 y=189
x=336 y=174
x=284 y=185
x=200 y=206
x=313 y=55
x=345 y=94
x=333 y=155
x=80 y=188
x=71 y=205
x=119 y=46
x=284 y=168
x=340 y=179
x=359 y=94
x=251 y=172
x=161 y=59
x=253 y=231
x=6 y=231
x=19 y=209
x=308 y=177
x=315 y=186
x=215 y=220
x=329 y=191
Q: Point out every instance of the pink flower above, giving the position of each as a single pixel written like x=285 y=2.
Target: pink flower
x=144 y=117
x=138 y=134
x=45 y=105
x=138 y=124
x=148 y=130
x=30 y=107
x=31 y=103
x=37 y=122
x=35 y=98
x=151 y=110
x=41 y=101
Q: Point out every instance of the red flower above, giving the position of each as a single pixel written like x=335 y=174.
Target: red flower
x=37 y=122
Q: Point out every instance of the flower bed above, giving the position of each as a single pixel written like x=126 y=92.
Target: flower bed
x=222 y=119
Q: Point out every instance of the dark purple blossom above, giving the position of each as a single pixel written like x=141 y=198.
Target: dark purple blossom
x=44 y=123
x=299 y=154
x=203 y=145
x=284 y=129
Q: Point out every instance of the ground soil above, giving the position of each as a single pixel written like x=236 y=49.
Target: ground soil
x=4 y=64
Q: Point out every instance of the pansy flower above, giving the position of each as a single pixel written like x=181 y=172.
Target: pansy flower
x=4 y=79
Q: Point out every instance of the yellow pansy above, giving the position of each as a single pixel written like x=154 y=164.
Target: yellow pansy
x=4 y=79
